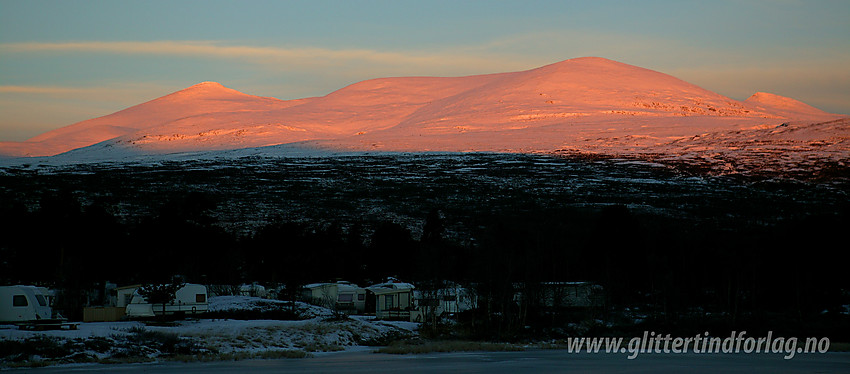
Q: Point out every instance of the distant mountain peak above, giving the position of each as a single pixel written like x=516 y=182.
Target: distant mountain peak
x=208 y=84
x=767 y=97
x=779 y=102
x=602 y=72
x=207 y=88
x=590 y=60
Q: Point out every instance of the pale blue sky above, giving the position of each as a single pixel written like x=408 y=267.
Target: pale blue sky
x=66 y=61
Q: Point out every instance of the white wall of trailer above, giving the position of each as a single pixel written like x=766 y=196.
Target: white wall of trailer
x=22 y=304
x=189 y=299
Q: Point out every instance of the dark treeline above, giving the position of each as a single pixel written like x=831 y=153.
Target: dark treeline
x=682 y=275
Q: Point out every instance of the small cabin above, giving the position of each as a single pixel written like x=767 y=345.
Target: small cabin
x=124 y=295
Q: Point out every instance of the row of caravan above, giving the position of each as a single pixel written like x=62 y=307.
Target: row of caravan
x=388 y=300
x=32 y=304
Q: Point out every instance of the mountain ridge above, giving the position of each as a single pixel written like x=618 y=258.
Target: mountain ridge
x=561 y=105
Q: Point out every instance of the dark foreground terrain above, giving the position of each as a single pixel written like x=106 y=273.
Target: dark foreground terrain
x=674 y=248
x=249 y=192
x=497 y=362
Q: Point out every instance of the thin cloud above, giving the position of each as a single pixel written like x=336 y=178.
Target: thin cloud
x=312 y=56
x=49 y=90
x=111 y=92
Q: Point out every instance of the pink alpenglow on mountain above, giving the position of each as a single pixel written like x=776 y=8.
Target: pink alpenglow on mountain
x=583 y=105
x=188 y=105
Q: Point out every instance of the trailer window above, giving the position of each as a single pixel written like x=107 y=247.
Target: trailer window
x=361 y=297
x=41 y=300
x=346 y=297
x=19 y=300
x=200 y=298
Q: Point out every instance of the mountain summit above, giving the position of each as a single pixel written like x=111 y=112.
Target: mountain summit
x=590 y=103
x=200 y=99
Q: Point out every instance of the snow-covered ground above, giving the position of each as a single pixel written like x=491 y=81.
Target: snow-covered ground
x=318 y=333
x=240 y=303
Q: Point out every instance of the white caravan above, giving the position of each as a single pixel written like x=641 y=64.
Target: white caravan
x=189 y=299
x=344 y=297
x=23 y=304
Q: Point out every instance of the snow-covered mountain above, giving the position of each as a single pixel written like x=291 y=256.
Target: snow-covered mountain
x=584 y=104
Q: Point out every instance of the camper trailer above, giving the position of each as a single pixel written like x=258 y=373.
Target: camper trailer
x=23 y=304
x=189 y=299
x=393 y=300
x=253 y=290
x=448 y=300
x=344 y=297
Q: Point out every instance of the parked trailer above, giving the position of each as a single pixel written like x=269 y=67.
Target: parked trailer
x=23 y=304
x=189 y=299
